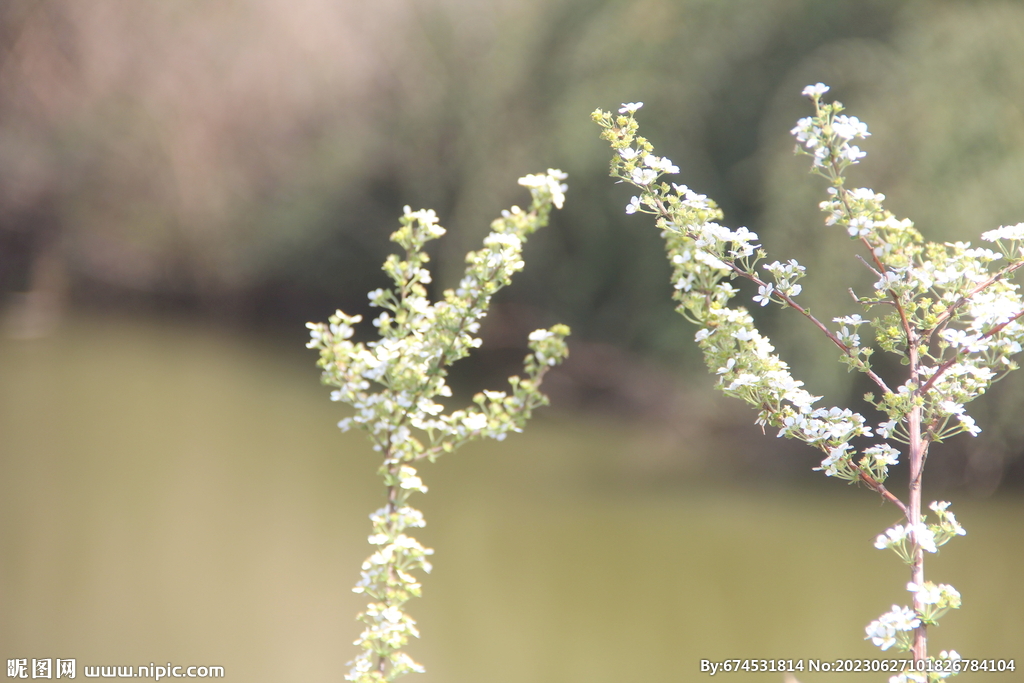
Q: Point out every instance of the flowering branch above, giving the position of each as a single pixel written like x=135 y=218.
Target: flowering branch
x=955 y=324
x=392 y=384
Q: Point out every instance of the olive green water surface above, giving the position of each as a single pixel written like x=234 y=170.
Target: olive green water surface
x=178 y=495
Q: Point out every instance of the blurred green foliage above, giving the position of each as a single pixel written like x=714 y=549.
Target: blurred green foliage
x=249 y=159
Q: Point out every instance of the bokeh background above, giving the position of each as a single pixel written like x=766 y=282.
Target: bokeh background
x=184 y=185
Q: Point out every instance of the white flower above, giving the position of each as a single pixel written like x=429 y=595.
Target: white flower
x=860 y=226
x=660 y=164
x=744 y=380
x=891 y=537
x=881 y=634
x=548 y=181
x=967 y=422
x=834 y=456
x=1005 y=232
x=853 y=153
x=924 y=537
x=710 y=260
x=407 y=479
x=806 y=132
x=729 y=364
x=400 y=435
x=764 y=294
x=744 y=334
x=429 y=407
x=633 y=206
x=847 y=337
x=948 y=596
x=927 y=594
x=644 y=176
x=815 y=91
x=849 y=127
x=820 y=154
x=866 y=194
x=884 y=454
x=882 y=631
x=475 y=422
x=887 y=281
x=950 y=408
x=885 y=429
x=630 y=107
x=402 y=661
x=628 y=153
x=903 y=618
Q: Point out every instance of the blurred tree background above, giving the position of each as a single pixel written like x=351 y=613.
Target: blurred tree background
x=246 y=161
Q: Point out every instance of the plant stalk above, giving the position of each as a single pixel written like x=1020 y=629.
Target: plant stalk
x=917 y=450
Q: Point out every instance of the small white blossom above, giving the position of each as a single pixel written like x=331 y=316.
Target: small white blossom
x=891 y=537
x=644 y=176
x=881 y=634
x=1005 y=232
x=928 y=593
x=660 y=164
x=744 y=334
x=549 y=182
x=849 y=127
x=854 y=320
x=883 y=631
x=860 y=226
x=884 y=454
x=807 y=132
x=969 y=425
x=475 y=422
x=744 y=380
x=887 y=281
x=408 y=479
x=924 y=537
x=816 y=90
x=764 y=294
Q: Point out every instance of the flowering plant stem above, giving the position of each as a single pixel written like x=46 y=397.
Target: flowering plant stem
x=954 y=322
x=392 y=383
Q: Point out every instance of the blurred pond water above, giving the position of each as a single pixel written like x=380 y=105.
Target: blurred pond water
x=179 y=495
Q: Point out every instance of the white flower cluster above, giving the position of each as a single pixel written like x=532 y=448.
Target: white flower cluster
x=392 y=384
x=949 y=311
x=703 y=254
x=830 y=143
x=936 y=599
x=1005 y=232
x=893 y=625
x=904 y=539
x=550 y=183
x=786 y=276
